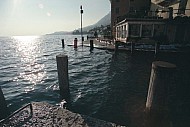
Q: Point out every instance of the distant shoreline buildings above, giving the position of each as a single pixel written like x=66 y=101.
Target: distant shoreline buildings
x=166 y=21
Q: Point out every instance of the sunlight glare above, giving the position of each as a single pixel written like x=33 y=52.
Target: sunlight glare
x=16 y=2
x=28 y=48
x=25 y=38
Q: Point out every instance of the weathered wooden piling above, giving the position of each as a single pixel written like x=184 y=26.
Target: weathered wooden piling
x=62 y=68
x=157 y=47
x=63 y=43
x=116 y=46
x=75 y=43
x=132 y=47
x=170 y=12
x=162 y=78
x=91 y=45
x=82 y=39
x=157 y=104
x=3 y=106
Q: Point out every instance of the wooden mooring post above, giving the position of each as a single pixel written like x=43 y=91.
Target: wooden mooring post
x=161 y=80
x=116 y=46
x=3 y=106
x=62 y=68
x=75 y=43
x=63 y=43
x=91 y=45
x=157 y=47
x=132 y=47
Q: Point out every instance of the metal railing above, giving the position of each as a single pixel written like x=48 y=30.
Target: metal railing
x=17 y=111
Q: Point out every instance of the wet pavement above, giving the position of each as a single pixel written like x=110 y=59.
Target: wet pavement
x=42 y=114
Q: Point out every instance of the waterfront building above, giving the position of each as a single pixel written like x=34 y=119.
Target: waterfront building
x=179 y=7
x=166 y=21
x=134 y=29
x=122 y=8
x=165 y=31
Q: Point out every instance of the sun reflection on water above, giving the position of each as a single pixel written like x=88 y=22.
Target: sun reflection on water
x=26 y=47
x=31 y=71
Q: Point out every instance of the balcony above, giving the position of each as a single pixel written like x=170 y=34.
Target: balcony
x=165 y=3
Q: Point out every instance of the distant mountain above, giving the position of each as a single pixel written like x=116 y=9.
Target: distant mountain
x=60 y=33
x=106 y=20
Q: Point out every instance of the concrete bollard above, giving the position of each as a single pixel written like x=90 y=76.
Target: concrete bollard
x=75 y=43
x=62 y=68
x=161 y=81
x=91 y=45
x=63 y=43
x=162 y=77
x=3 y=106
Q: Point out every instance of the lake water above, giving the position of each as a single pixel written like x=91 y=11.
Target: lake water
x=102 y=85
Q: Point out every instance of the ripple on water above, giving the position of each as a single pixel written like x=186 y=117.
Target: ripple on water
x=101 y=83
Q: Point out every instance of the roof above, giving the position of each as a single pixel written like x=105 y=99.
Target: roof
x=142 y=20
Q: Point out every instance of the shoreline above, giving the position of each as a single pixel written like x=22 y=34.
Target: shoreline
x=105 y=45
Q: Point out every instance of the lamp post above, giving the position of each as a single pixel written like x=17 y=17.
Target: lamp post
x=81 y=12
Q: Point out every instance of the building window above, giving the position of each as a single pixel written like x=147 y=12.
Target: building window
x=131 y=9
x=120 y=32
x=134 y=30
x=147 y=30
x=158 y=30
x=117 y=10
x=117 y=32
x=124 y=31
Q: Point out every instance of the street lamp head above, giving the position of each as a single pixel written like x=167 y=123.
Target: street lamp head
x=81 y=11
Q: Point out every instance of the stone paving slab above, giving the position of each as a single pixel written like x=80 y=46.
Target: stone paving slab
x=46 y=115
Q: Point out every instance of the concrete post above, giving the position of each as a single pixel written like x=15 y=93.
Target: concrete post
x=3 y=106
x=91 y=45
x=162 y=77
x=62 y=68
x=161 y=80
x=63 y=43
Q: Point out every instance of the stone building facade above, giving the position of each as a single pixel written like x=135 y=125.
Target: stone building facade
x=125 y=8
x=180 y=7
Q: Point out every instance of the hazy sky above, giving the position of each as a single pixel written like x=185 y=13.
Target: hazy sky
x=37 y=17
